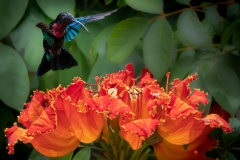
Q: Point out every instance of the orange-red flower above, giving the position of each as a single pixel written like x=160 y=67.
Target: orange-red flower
x=184 y=124
x=174 y=115
x=196 y=150
x=58 y=120
x=138 y=96
x=47 y=129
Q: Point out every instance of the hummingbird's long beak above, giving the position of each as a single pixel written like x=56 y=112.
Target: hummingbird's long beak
x=83 y=26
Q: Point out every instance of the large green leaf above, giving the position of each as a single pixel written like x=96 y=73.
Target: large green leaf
x=149 y=6
x=35 y=155
x=209 y=28
x=14 y=82
x=49 y=80
x=181 y=68
x=11 y=11
x=233 y=12
x=82 y=70
x=213 y=17
x=28 y=39
x=7 y=118
x=124 y=37
x=229 y=138
x=192 y=30
x=232 y=29
x=236 y=36
x=53 y=7
x=187 y=2
x=158 y=48
x=85 y=40
x=105 y=66
x=83 y=154
x=223 y=83
x=99 y=45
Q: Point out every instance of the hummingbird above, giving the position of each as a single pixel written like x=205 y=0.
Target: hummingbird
x=64 y=27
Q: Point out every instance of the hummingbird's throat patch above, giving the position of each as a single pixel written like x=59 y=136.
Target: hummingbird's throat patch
x=58 y=31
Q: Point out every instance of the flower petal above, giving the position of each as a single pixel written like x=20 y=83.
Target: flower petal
x=196 y=150
x=181 y=89
x=39 y=116
x=215 y=121
x=182 y=130
x=180 y=108
x=14 y=134
x=87 y=125
x=136 y=131
x=76 y=91
x=217 y=109
x=197 y=97
x=117 y=107
x=59 y=142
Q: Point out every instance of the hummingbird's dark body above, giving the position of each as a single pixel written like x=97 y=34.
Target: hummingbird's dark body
x=64 y=27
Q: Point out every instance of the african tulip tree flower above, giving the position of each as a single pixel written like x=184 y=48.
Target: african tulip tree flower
x=174 y=114
x=124 y=115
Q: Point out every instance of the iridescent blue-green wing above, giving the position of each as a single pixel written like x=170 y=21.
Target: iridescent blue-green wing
x=72 y=29
x=48 y=38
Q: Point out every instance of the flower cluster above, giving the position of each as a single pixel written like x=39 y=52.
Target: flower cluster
x=124 y=115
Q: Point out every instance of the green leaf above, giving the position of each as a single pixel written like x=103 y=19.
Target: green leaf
x=82 y=70
x=192 y=30
x=83 y=154
x=121 y=3
x=229 y=31
x=11 y=12
x=209 y=28
x=149 y=6
x=66 y=157
x=236 y=36
x=7 y=118
x=124 y=37
x=187 y=2
x=14 y=82
x=223 y=84
x=107 y=2
x=85 y=40
x=228 y=156
x=28 y=39
x=35 y=155
x=99 y=45
x=33 y=82
x=229 y=138
x=54 y=7
x=233 y=12
x=105 y=66
x=49 y=80
x=187 y=52
x=213 y=17
x=178 y=39
x=158 y=48
x=181 y=68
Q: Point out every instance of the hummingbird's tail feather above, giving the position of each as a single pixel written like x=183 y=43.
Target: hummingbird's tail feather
x=44 y=66
x=63 y=61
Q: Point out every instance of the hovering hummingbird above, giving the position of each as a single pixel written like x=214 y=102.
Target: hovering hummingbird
x=64 y=27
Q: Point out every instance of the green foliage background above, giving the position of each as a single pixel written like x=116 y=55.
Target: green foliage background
x=180 y=36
